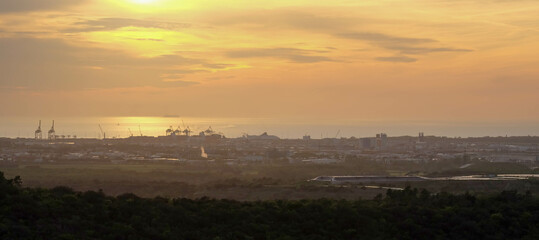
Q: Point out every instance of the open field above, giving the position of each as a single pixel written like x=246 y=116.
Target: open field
x=247 y=182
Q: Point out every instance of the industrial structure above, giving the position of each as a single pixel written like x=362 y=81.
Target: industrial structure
x=102 y=132
x=52 y=133
x=38 y=134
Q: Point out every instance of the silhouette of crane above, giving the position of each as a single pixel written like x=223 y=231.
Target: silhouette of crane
x=209 y=131
x=102 y=133
x=338 y=132
x=139 y=130
x=169 y=131
x=38 y=133
x=187 y=131
x=177 y=132
x=52 y=133
x=130 y=133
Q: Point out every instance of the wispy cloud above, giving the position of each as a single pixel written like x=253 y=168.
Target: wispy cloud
x=13 y=6
x=398 y=59
x=425 y=50
x=53 y=64
x=110 y=24
x=321 y=23
x=403 y=45
x=284 y=18
x=291 y=54
x=380 y=38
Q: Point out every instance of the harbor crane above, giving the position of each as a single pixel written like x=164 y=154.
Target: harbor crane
x=38 y=133
x=177 y=131
x=139 y=130
x=52 y=133
x=130 y=133
x=169 y=131
x=102 y=133
x=187 y=131
x=338 y=132
x=209 y=131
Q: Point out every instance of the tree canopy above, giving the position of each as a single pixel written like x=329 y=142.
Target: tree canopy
x=62 y=213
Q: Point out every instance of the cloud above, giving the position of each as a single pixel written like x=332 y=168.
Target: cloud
x=220 y=78
x=12 y=6
x=217 y=65
x=53 y=64
x=425 y=50
x=292 y=54
x=186 y=71
x=380 y=38
x=147 y=39
x=284 y=18
x=404 y=45
x=320 y=22
x=398 y=59
x=110 y=24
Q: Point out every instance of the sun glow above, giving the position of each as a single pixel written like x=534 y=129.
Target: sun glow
x=146 y=42
x=143 y=1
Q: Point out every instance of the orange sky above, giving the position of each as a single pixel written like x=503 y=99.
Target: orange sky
x=450 y=60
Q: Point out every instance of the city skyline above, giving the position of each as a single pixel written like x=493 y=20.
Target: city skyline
x=123 y=127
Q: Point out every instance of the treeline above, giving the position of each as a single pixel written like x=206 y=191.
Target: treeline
x=61 y=213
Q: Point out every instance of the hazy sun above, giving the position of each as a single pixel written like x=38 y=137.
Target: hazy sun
x=143 y=1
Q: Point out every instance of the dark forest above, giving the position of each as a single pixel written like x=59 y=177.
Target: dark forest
x=62 y=213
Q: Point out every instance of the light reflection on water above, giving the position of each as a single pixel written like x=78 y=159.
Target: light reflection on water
x=88 y=127
x=115 y=126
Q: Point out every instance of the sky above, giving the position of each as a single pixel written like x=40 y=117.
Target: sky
x=338 y=60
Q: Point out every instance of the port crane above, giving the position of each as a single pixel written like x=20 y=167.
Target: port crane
x=209 y=131
x=169 y=131
x=51 y=135
x=38 y=133
x=130 y=133
x=187 y=131
x=102 y=133
x=177 y=131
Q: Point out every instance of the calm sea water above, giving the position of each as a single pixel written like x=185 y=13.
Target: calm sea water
x=88 y=127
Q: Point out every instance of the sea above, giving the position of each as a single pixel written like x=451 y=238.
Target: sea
x=125 y=126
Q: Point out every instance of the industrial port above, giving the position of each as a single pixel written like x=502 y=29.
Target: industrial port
x=188 y=163
x=183 y=144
